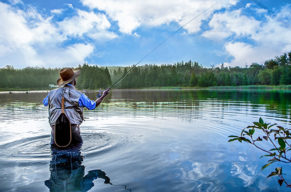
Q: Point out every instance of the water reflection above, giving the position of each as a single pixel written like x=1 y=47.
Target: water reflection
x=68 y=174
x=149 y=140
x=278 y=102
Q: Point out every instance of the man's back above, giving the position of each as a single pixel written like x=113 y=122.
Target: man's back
x=72 y=109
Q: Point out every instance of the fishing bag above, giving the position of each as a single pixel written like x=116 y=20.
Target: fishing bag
x=63 y=129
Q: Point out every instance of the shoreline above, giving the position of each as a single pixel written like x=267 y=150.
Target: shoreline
x=22 y=92
x=256 y=88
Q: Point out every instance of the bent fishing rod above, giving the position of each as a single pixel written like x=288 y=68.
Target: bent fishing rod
x=159 y=45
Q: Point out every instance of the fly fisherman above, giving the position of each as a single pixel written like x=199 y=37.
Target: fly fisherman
x=65 y=106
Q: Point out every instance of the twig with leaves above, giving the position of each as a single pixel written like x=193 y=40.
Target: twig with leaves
x=279 y=138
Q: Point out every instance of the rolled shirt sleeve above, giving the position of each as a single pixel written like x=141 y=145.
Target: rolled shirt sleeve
x=45 y=101
x=84 y=101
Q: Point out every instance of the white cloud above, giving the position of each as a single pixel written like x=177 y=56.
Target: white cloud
x=246 y=54
x=248 y=5
x=258 y=10
x=95 y=25
x=102 y=35
x=69 y=56
x=131 y=14
x=276 y=30
x=226 y=24
x=14 y=2
x=57 y=11
x=270 y=37
x=136 y=35
x=261 y=11
x=13 y=27
x=70 y=5
x=29 y=39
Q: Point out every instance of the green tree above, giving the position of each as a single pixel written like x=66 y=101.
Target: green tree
x=193 y=80
x=276 y=73
x=265 y=77
x=207 y=79
x=285 y=77
x=270 y=64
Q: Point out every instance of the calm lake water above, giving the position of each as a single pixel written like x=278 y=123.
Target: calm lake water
x=142 y=141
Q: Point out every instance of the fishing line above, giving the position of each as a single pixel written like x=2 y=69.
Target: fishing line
x=170 y=36
x=159 y=45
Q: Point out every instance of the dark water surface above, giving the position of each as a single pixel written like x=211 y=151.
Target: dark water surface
x=142 y=141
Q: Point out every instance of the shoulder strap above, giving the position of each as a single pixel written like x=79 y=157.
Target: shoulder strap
x=63 y=100
x=63 y=105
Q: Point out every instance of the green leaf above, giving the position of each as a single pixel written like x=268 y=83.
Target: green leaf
x=251 y=132
x=261 y=121
x=232 y=136
x=272 y=174
x=245 y=139
x=230 y=140
x=245 y=133
x=281 y=143
x=266 y=165
x=270 y=155
x=274 y=149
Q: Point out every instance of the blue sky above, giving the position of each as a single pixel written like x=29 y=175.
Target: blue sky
x=62 y=33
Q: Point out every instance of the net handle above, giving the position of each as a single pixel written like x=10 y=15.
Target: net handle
x=63 y=105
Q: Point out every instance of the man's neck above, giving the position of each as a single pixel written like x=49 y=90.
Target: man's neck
x=71 y=85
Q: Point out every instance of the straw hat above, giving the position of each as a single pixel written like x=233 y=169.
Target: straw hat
x=67 y=75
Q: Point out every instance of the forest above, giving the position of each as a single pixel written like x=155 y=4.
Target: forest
x=92 y=77
x=276 y=71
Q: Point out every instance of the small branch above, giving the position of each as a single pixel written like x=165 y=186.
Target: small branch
x=284 y=157
x=281 y=177
x=271 y=140
x=277 y=153
x=288 y=161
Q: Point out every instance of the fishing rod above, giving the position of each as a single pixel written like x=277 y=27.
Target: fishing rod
x=159 y=45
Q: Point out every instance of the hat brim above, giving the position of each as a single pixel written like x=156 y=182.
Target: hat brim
x=76 y=74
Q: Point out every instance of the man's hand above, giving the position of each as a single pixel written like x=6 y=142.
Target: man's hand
x=105 y=92
x=99 y=100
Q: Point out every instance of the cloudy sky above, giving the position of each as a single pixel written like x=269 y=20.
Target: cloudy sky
x=58 y=33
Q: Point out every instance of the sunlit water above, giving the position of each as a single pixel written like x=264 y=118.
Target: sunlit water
x=142 y=141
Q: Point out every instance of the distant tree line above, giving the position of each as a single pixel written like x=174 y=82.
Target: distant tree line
x=274 y=72
x=92 y=77
x=27 y=78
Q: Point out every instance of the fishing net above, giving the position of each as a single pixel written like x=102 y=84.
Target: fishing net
x=63 y=129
